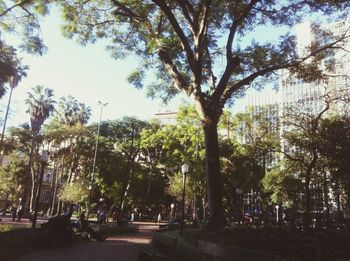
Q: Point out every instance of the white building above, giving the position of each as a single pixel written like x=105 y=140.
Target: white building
x=309 y=98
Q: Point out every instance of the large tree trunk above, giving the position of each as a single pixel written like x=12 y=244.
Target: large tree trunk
x=5 y=120
x=126 y=185
x=30 y=184
x=54 y=195
x=214 y=186
x=307 y=216
x=348 y=198
x=33 y=191
x=325 y=194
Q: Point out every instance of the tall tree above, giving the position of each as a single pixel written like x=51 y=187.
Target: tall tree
x=12 y=178
x=180 y=39
x=19 y=18
x=335 y=148
x=14 y=80
x=302 y=150
x=10 y=66
x=247 y=154
x=40 y=104
x=72 y=112
x=125 y=134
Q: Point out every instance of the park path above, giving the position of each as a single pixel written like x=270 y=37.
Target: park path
x=116 y=248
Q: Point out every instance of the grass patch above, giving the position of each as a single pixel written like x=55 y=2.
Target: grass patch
x=9 y=227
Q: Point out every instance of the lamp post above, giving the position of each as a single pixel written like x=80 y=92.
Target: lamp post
x=43 y=160
x=94 y=162
x=239 y=193
x=277 y=214
x=184 y=170
x=172 y=206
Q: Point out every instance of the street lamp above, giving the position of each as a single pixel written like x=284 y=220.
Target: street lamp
x=172 y=206
x=184 y=170
x=277 y=214
x=239 y=192
x=44 y=158
x=94 y=162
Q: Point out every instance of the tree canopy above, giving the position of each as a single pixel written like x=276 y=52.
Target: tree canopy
x=186 y=41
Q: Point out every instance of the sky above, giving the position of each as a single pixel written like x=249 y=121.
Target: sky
x=88 y=73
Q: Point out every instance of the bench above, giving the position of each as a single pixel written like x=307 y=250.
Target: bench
x=162 y=247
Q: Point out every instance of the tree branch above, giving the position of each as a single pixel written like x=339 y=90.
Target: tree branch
x=249 y=79
x=232 y=62
x=180 y=33
x=185 y=7
x=180 y=82
x=14 y=6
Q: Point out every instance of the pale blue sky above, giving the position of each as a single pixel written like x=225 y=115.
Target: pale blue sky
x=87 y=73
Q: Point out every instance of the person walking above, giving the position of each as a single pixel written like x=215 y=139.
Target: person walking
x=132 y=217
x=19 y=213
x=14 y=213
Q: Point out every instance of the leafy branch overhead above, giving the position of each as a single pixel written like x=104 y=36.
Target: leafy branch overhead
x=22 y=17
x=186 y=38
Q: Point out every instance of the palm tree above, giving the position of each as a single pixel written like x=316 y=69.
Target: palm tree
x=9 y=64
x=14 y=80
x=71 y=112
x=40 y=106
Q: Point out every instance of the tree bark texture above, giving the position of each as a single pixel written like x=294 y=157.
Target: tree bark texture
x=27 y=189
x=214 y=186
x=307 y=216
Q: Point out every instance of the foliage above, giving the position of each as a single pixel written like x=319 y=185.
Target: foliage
x=281 y=186
x=11 y=67
x=71 y=112
x=21 y=17
x=334 y=135
x=75 y=192
x=20 y=138
x=182 y=42
x=40 y=104
x=247 y=154
x=13 y=177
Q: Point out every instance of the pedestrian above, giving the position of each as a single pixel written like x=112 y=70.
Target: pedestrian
x=85 y=228
x=114 y=216
x=19 y=213
x=159 y=218
x=14 y=213
x=132 y=217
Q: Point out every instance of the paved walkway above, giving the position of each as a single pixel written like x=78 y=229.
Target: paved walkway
x=116 y=248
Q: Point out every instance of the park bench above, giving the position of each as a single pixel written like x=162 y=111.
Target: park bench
x=162 y=247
